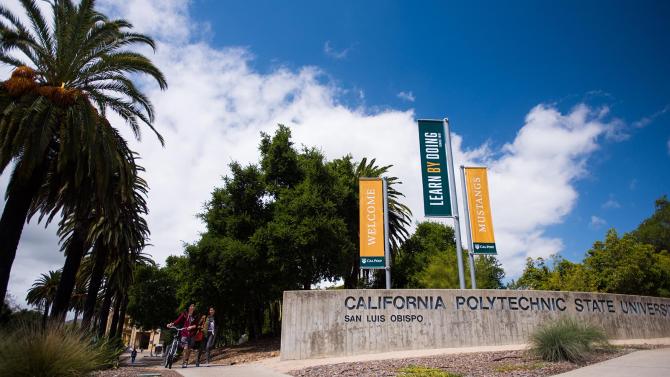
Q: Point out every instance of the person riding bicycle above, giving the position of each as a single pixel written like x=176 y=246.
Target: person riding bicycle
x=186 y=321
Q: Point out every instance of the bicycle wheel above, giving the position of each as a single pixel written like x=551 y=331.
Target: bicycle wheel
x=169 y=357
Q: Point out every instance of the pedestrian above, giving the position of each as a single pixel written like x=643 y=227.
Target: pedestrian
x=187 y=322
x=210 y=334
x=133 y=355
x=199 y=338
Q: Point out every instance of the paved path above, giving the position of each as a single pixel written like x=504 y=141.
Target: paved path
x=651 y=363
x=287 y=365
x=635 y=364
x=245 y=370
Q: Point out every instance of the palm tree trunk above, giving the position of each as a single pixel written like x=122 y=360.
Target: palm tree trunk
x=97 y=274
x=12 y=221
x=115 y=316
x=45 y=316
x=353 y=270
x=122 y=315
x=76 y=315
x=104 y=311
x=74 y=253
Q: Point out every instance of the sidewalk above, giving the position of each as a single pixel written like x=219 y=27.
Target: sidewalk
x=284 y=366
x=244 y=370
x=650 y=363
x=274 y=367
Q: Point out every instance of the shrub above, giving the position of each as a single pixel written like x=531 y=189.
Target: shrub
x=419 y=371
x=28 y=350
x=566 y=339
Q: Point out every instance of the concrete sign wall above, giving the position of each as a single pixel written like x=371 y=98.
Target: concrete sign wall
x=349 y=322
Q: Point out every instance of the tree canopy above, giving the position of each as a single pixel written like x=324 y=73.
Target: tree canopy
x=428 y=260
x=152 y=298
x=634 y=263
x=288 y=222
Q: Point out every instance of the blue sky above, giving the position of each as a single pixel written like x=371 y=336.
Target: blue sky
x=568 y=103
x=485 y=64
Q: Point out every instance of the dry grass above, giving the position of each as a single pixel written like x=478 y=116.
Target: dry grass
x=56 y=351
x=566 y=339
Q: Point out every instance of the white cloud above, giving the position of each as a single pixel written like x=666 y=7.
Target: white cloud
x=332 y=52
x=407 y=96
x=646 y=120
x=532 y=181
x=597 y=222
x=611 y=203
x=217 y=105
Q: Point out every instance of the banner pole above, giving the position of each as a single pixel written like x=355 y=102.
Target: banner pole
x=454 y=205
x=468 y=228
x=387 y=249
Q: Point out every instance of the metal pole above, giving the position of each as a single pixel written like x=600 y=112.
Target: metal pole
x=466 y=207
x=387 y=249
x=454 y=205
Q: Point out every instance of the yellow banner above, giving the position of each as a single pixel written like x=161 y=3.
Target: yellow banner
x=371 y=199
x=479 y=209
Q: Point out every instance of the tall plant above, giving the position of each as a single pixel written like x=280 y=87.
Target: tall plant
x=43 y=292
x=70 y=72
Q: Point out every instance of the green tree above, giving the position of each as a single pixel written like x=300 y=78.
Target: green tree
x=569 y=276
x=53 y=118
x=428 y=260
x=488 y=272
x=440 y=271
x=152 y=297
x=306 y=239
x=430 y=243
x=43 y=292
x=655 y=230
x=624 y=265
x=226 y=268
x=616 y=265
x=236 y=279
x=288 y=222
x=535 y=275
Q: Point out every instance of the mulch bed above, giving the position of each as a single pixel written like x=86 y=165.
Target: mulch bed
x=247 y=352
x=493 y=364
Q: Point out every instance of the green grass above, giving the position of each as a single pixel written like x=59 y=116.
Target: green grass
x=57 y=351
x=518 y=367
x=419 y=371
x=566 y=339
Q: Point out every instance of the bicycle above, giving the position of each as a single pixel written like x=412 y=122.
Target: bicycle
x=171 y=351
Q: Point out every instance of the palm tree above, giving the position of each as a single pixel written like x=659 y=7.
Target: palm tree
x=103 y=219
x=53 y=116
x=78 y=295
x=43 y=292
x=114 y=237
x=399 y=214
x=119 y=278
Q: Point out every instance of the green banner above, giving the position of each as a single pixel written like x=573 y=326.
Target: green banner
x=484 y=248
x=372 y=262
x=432 y=140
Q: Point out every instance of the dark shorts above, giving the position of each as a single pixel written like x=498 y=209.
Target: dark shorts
x=186 y=341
